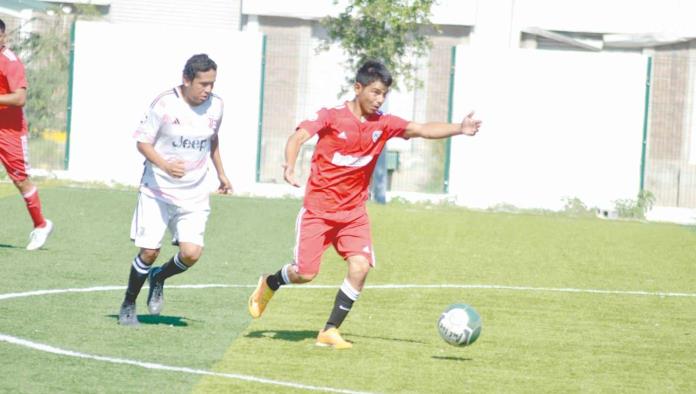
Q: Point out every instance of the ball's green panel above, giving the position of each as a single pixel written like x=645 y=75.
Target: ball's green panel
x=469 y=334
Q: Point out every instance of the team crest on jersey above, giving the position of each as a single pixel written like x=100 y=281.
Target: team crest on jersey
x=212 y=123
x=9 y=55
x=376 y=134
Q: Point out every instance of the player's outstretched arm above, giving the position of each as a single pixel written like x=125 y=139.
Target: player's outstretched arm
x=436 y=130
x=16 y=99
x=225 y=184
x=173 y=168
x=292 y=149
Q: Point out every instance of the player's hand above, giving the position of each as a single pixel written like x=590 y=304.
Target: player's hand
x=289 y=175
x=175 y=168
x=225 y=185
x=470 y=126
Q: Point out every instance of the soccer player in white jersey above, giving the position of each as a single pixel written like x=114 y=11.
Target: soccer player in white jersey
x=176 y=136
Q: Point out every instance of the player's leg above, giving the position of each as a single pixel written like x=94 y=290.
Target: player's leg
x=15 y=158
x=189 y=227
x=42 y=227
x=147 y=229
x=353 y=242
x=313 y=236
x=348 y=293
x=189 y=254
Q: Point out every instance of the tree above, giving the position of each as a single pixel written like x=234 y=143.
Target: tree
x=390 y=31
x=46 y=55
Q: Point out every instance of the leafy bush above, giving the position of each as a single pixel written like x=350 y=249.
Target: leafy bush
x=635 y=209
x=573 y=206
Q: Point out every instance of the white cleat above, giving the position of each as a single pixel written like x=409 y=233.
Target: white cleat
x=38 y=236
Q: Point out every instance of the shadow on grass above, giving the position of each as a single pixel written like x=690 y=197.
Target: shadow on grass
x=10 y=246
x=384 y=338
x=283 y=335
x=176 y=321
x=450 y=358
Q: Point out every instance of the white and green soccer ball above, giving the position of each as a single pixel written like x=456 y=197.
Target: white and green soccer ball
x=459 y=325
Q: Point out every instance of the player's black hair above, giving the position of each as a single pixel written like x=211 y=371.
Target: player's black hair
x=2 y=26
x=372 y=71
x=198 y=63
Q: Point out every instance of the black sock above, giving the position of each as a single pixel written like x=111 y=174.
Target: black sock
x=136 y=279
x=276 y=280
x=340 y=310
x=172 y=267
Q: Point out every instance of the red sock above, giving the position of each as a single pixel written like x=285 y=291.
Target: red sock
x=33 y=202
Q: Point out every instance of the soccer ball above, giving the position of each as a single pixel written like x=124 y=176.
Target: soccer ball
x=459 y=325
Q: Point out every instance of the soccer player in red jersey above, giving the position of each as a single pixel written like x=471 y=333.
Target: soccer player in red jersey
x=13 y=139
x=350 y=139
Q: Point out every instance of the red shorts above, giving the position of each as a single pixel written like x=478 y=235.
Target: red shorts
x=348 y=231
x=14 y=154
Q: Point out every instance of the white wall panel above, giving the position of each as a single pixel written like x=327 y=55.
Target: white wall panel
x=556 y=125
x=118 y=73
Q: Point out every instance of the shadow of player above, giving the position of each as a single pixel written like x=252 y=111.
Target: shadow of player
x=451 y=358
x=284 y=335
x=176 y=321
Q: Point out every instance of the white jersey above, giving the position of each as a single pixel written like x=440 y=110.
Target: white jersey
x=179 y=131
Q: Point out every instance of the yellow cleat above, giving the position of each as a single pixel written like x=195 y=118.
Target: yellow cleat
x=259 y=298
x=332 y=337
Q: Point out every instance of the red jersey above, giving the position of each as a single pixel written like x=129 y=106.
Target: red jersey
x=12 y=78
x=345 y=156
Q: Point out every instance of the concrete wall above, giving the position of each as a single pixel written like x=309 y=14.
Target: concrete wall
x=208 y=14
x=673 y=17
x=454 y=12
x=671 y=162
x=599 y=16
x=286 y=40
x=112 y=91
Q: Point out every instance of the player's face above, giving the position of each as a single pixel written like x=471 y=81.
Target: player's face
x=198 y=90
x=371 y=97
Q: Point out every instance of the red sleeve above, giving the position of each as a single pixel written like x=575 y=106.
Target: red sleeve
x=396 y=126
x=15 y=76
x=320 y=121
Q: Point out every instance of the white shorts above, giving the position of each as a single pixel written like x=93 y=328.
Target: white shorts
x=152 y=217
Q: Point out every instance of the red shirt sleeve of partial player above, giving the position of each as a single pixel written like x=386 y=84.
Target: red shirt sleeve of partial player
x=396 y=126
x=16 y=79
x=318 y=123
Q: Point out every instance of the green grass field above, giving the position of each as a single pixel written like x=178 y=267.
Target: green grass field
x=510 y=267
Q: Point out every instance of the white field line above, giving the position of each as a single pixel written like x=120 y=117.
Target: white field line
x=70 y=353
x=108 y=288
x=387 y=286
x=540 y=289
x=161 y=367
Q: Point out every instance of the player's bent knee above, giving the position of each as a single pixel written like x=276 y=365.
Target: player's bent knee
x=24 y=185
x=148 y=256
x=359 y=263
x=190 y=253
x=304 y=278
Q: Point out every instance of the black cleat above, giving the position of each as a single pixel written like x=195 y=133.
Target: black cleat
x=127 y=316
x=155 y=297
